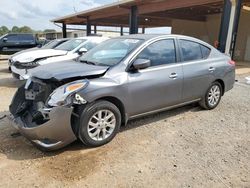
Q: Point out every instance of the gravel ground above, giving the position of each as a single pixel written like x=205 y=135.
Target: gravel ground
x=184 y=147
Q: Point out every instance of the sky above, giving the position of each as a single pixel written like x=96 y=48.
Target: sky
x=38 y=13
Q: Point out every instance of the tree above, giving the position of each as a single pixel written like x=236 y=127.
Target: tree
x=15 y=29
x=49 y=30
x=3 y=30
x=25 y=29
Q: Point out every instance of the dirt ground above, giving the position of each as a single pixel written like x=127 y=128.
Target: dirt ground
x=184 y=147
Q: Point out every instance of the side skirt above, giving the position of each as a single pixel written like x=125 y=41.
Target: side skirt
x=164 y=109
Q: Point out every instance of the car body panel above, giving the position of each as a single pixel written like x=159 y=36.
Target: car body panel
x=153 y=88
x=139 y=92
x=61 y=70
x=47 y=56
x=37 y=54
x=54 y=134
x=16 y=42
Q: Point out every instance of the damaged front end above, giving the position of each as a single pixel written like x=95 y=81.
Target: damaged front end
x=42 y=112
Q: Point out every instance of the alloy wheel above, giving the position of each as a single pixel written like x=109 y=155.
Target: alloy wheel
x=101 y=125
x=214 y=95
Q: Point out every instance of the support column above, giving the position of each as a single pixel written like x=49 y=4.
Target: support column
x=133 y=20
x=235 y=27
x=121 y=31
x=143 y=30
x=88 y=27
x=95 y=31
x=229 y=26
x=64 y=30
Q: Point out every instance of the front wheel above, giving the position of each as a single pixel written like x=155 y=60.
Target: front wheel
x=212 y=97
x=99 y=123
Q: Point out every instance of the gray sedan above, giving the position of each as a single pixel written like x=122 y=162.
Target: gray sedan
x=121 y=79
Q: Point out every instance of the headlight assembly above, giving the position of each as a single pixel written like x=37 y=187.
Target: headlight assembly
x=62 y=95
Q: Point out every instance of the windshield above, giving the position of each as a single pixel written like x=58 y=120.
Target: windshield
x=50 y=44
x=70 y=45
x=111 y=51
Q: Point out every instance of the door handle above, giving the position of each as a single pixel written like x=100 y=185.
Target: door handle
x=173 y=75
x=211 y=69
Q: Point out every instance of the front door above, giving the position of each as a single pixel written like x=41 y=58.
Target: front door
x=159 y=85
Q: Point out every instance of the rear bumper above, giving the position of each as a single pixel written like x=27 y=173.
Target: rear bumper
x=54 y=134
x=229 y=79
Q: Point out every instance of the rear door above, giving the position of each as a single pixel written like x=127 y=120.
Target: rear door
x=26 y=41
x=196 y=69
x=11 y=43
x=159 y=85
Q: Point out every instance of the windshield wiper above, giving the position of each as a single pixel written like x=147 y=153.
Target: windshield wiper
x=87 y=62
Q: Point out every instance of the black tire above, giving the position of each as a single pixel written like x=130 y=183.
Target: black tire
x=10 y=69
x=204 y=103
x=85 y=116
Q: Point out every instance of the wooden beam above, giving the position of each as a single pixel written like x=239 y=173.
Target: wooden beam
x=172 y=4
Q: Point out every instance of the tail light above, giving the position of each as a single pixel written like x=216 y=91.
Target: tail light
x=231 y=62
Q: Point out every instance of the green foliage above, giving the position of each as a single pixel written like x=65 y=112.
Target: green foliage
x=25 y=29
x=3 y=30
x=15 y=29
x=49 y=30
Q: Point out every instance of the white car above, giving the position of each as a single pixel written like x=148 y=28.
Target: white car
x=50 y=45
x=22 y=64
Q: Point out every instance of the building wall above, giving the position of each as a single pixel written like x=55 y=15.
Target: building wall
x=209 y=31
x=243 y=35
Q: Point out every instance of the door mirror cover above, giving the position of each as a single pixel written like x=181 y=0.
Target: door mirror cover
x=5 y=39
x=141 y=64
x=82 y=50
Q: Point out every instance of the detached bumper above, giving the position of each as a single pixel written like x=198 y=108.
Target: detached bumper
x=54 y=134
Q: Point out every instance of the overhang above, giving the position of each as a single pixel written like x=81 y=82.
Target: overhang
x=152 y=13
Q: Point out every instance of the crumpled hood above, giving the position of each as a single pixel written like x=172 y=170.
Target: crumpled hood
x=30 y=56
x=67 y=69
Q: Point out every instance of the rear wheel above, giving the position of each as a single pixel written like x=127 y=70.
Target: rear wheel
x=99 y=123
x=212 y=97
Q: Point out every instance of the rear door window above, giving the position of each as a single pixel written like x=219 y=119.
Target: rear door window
x=26 y=38
x=12 y=38
x=191 y=51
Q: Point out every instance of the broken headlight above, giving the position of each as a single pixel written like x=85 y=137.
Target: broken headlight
x=62 y=95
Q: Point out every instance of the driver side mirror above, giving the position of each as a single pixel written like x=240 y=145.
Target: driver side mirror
x=82 y=50
x=141 y=64
x=5 y=39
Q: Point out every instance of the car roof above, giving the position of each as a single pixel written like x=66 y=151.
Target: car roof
x=151 y=36
x=147 y=37
x=91 y=37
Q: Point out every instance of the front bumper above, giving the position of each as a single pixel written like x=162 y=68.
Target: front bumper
x=21 y=74
x=51 y=135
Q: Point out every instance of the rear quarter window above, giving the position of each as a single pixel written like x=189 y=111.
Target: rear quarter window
x=205 y=51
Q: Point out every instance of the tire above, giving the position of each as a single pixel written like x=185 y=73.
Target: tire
x=206 y=101
x=95 y=131
x=9 y=69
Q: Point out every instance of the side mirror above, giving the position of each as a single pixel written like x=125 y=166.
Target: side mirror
x=141 y=64
x=5 y=39
x=82 y=50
